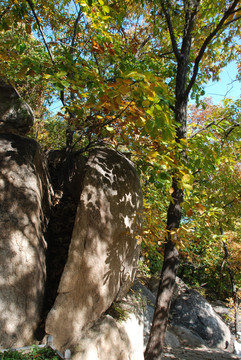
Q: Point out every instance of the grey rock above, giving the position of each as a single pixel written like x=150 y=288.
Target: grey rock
x=172 y=339
x=16 y=115
x=192 y=311
x=104 y=251
x=148 y=300
x=187 y=338
x=24 y=204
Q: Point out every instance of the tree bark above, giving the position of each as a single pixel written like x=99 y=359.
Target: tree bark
x=167 y=282
x=183 y=88
x=157 y=335
x=171 y=257
x=233 y=286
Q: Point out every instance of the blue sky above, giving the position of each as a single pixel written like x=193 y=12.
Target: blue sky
x=228 y=86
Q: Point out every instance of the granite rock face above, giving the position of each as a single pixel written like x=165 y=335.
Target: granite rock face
x=191 y=311
x=104 y=250
x=25 y=201
x=112 y=340
x=16 y=116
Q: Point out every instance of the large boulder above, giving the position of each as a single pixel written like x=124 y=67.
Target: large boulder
x=191 y=311
x=111 y=339
x=25 y=201
x=15 y=114
x=117 y=335
x=104 y=247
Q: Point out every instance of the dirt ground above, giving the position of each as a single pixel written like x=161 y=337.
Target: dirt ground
x=197 y=354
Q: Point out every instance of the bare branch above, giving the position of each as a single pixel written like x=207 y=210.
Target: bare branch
x=171 y=31
x=207 y=41
x=75 y=30
x=216 y=123
x=233 y=20
x=144 y=42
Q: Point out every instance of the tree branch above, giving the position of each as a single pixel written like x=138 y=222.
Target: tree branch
x=117 y=116
x=144 y=42
x=233 y=20
x=75 y=30
x=216 y=123
x=170 y=29
x=189 y=25
x=41 y=30
x=207 y=41
x=230 y=129
x=98 y=65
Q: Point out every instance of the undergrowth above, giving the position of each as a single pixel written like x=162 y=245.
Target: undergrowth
x=35 y=353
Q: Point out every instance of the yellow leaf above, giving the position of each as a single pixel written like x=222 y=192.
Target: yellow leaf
x=47 y=76
x=153 y=154
x=187 y=179
x=145 y=103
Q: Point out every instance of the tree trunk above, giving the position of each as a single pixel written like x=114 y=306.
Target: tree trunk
x=157 y=335
x=167 y=282
x=171 y=257
x=233 y=286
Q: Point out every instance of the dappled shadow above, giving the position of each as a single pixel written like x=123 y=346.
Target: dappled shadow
x=103 y=251
x=103 y=246
x=196 y=354
x=66 y=179
x=193 y=312
x=25 y=199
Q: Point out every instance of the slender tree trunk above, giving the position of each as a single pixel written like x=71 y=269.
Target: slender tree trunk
x=165 y=290
x=233 y=286
x=167 y=282
x=171 y=257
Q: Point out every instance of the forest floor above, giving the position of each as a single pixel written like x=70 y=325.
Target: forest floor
x=197 y=354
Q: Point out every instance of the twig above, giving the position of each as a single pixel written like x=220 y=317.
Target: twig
x=117 y=116
x=75 y=30
x=207 y=126
x=207 y=41
x=41 y=30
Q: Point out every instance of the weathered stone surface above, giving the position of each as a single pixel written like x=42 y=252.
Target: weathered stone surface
x=118 y=335
x=15 y=114
x=24 y=200
x=103 y=341
x=187 y=338
x=171 y=339
x=103 y=252
x=112 y=340
x=67 y=174
x=192 y=311
x=148 y=300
